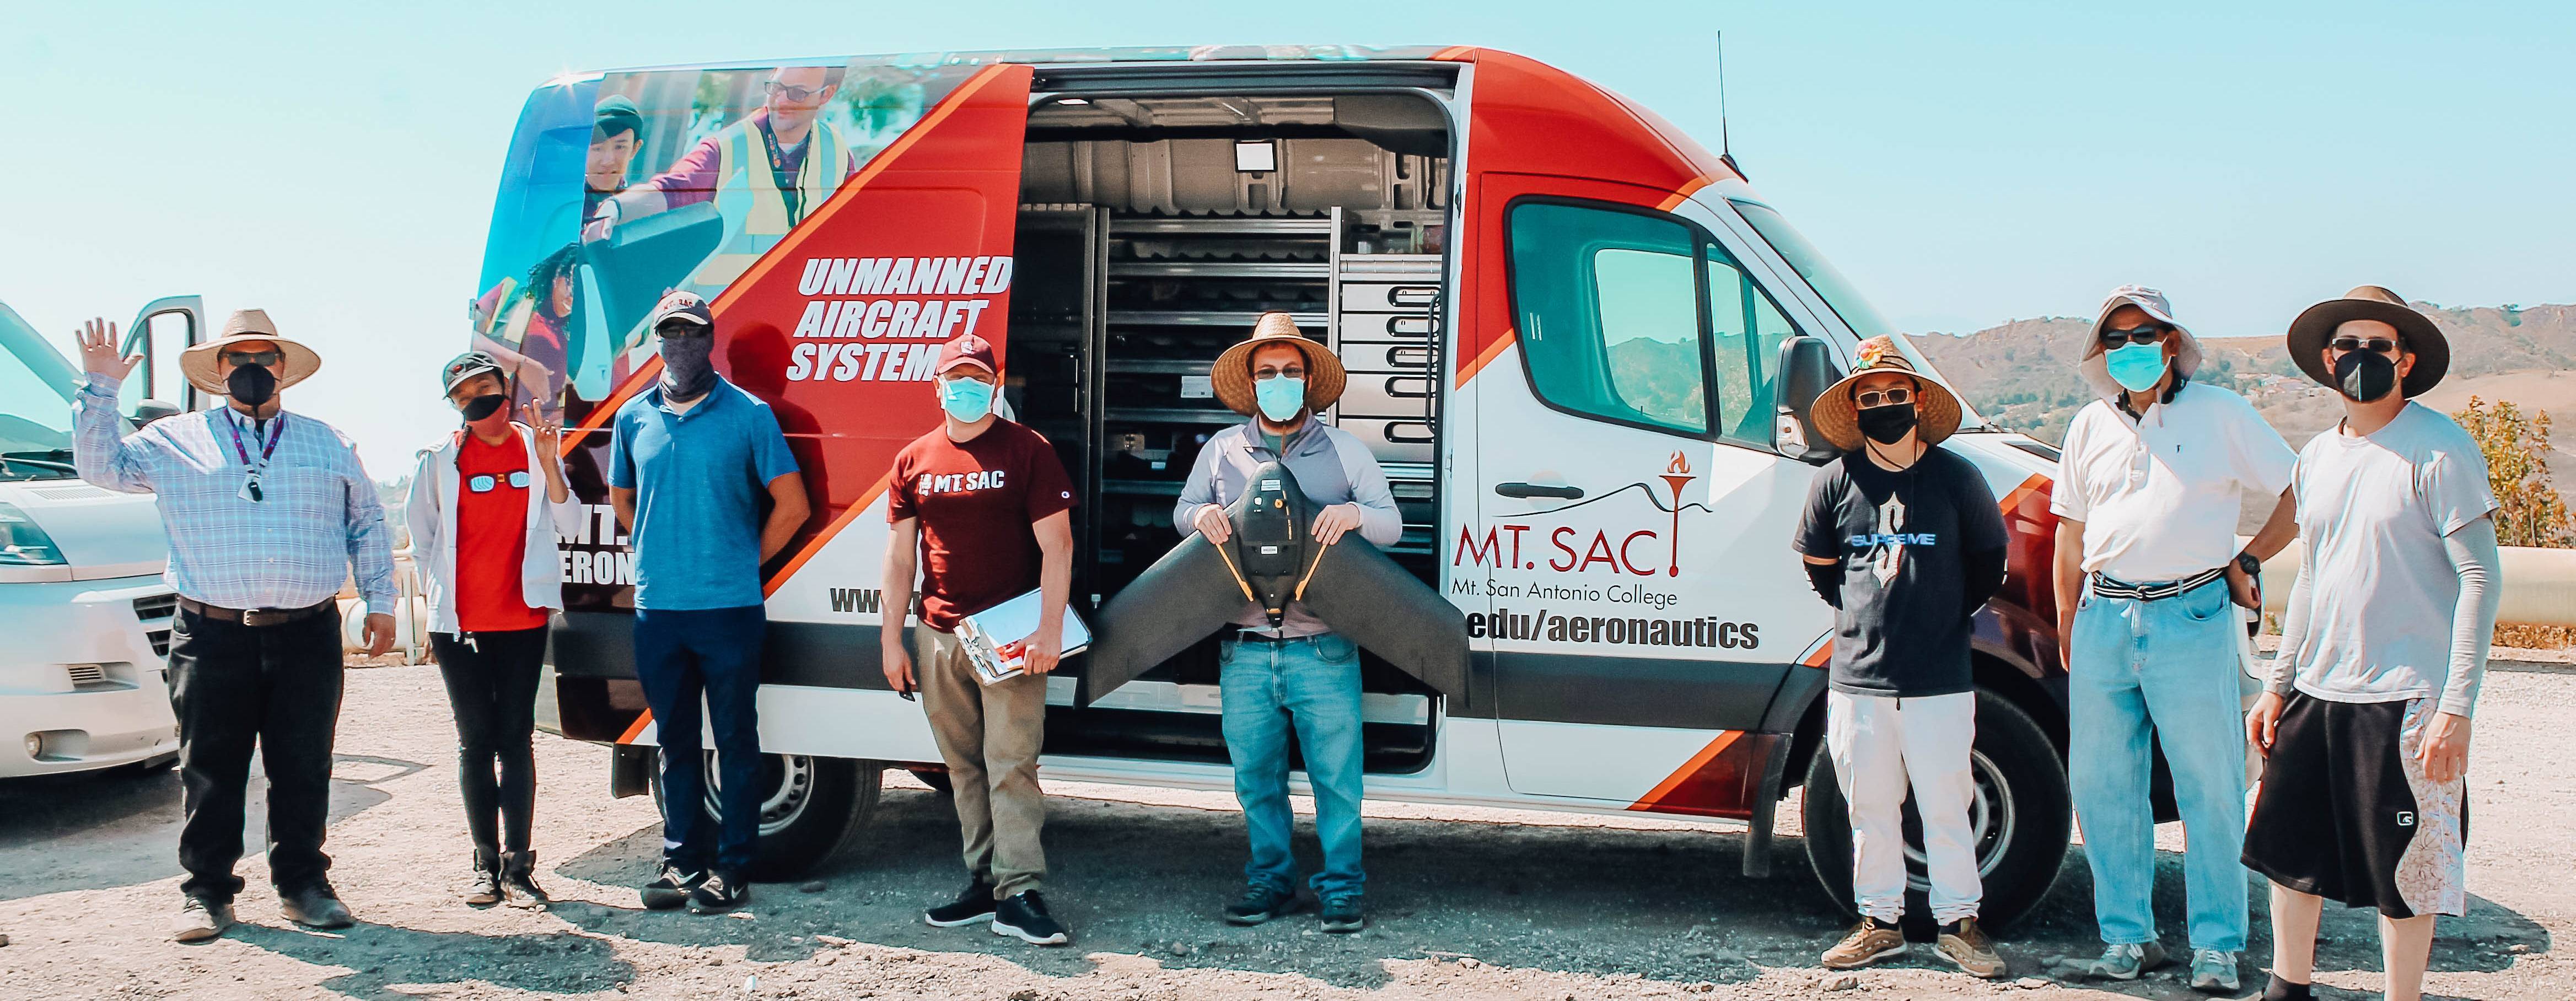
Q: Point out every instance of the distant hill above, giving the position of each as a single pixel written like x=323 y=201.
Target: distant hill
x=2022 y=374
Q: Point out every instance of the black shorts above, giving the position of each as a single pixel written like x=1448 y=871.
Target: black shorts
x=2345 y=812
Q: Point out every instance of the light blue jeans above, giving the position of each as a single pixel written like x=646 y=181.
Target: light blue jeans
x=1310 y=685
x=2167 y=669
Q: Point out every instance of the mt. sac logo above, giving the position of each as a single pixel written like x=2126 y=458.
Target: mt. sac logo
x=1626 y=549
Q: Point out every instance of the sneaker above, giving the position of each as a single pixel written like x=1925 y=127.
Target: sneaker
x=519 y=881
x=1345 y=914
x=671 y=888
x=1966 y=946
x=200 y=919
x=1260 y=902
x=1024 y=915
x=2213 y=971
x=973 y=905
x=2127 y=961
x=315 y=906
x=718 y=893
x=486 y=890
x=1868 y=942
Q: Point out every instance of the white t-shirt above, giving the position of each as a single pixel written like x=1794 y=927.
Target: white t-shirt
x=2381 y=589
x=2159 y=496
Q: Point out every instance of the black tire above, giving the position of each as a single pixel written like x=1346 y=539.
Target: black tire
x=811 y=809
x=2023 y=817
x=935 y=778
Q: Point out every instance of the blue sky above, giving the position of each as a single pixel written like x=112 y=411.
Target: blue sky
x=1966 y=164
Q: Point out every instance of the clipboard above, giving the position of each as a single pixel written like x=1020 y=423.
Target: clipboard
x=991 y=638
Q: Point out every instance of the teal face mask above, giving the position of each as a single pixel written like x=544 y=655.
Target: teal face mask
x=2136 y=367
x=967 y=400
x=1279 y=397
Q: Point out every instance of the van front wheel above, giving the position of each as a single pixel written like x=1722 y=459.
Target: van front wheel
x=2021 y=817
x=811 y=809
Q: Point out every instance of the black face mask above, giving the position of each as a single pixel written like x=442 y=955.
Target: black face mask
x=483 y=406
x=252 y=385
x=2365 y=376
x=1887 y=425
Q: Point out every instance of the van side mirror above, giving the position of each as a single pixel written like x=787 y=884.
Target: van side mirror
x=152 y=410
x=1806 y=367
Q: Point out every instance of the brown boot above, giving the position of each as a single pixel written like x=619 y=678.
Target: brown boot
x=518 y=876
x=1868 y=942
x=486 y=890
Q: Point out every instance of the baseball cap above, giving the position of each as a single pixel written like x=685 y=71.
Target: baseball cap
x=467 y=366
x=685 y=307
x=966 y=349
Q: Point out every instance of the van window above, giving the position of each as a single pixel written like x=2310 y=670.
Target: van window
x=1607 y=304
x=1745 y=331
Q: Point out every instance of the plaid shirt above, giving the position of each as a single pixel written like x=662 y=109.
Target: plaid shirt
x=320 y=516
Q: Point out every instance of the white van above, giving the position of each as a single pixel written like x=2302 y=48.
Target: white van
x=1581 y=345
x=86 y=615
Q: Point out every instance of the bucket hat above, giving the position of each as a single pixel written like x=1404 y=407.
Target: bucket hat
x=2316 y=325
x=1231 y=376
x=2096 y=368
x=203 y=363
x=1837 y=416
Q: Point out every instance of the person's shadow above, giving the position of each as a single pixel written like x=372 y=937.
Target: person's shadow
x=756 y=359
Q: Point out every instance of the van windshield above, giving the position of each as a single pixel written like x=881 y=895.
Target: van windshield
x=36 y=387
x=1838 y=291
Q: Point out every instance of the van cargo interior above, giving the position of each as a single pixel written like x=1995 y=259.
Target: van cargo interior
x=1152 y=231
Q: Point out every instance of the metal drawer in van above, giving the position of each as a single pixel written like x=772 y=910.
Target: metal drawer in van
x=1373 y=296
x=1378 y=394
x=1392 y=439
x=1379 y=356
x=1388 y=326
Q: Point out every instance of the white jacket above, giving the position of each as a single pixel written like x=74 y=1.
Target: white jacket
x=431 y=514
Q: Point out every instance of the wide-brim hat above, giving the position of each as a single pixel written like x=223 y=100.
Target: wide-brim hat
x=1231 y=376
x=2096 y=368
x=203 y=363
x=2316 y=325
x=1837 y=416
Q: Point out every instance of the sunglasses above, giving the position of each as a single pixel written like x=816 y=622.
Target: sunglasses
x=793 y=92
x=483 y=484
x=1868 y=398
x=263 y=359
x=2380 y=345
x=2148 y=334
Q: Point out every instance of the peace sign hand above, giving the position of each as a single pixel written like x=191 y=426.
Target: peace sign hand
x=549 y=433
x=98 y=350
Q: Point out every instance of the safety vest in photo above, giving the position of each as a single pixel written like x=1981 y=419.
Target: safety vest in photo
x=754 y=209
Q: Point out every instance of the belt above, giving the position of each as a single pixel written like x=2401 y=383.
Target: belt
x=2106 y=586
x=1249 y=636
x=257 y=616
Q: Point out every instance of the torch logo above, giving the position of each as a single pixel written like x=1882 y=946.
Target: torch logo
x=1676 y=473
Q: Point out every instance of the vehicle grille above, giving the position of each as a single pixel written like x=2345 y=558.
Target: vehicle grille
x=156 y=611
x=87 y=674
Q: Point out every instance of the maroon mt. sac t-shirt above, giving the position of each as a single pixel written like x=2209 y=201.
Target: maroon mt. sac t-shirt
x=977 y=501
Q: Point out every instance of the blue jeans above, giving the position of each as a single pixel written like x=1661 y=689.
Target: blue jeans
x=2166 y=668
x=679 y=656
x=1310 y=684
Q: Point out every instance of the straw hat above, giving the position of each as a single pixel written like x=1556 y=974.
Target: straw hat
x=2314 y=327
x=1836 y=416
x=1231 y=376
x=203 y=363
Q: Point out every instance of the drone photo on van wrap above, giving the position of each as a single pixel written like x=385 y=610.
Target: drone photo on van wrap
x=1291 y=519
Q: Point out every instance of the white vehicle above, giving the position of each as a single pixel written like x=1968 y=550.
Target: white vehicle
x=83 y=609
x=1581 y=345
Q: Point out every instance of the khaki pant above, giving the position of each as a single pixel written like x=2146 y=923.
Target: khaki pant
x=989 y=735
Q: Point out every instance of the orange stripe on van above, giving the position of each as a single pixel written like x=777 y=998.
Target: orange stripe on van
x=2034 y=484
x=644 y=375
x=1454 y=53
x=1486 y=357
x=637 y=730
x=1689 y=769
x=815 y=545
x=1683 y=194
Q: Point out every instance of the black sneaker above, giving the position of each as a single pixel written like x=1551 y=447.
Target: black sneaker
x=1345 y=914
x=1260 y=902
x=1024 y=915
x=720 y=892
x=671 y=888
x=973 y=905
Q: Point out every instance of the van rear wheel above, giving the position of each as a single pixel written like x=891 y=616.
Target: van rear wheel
x=811 y=809
x=2021 y=816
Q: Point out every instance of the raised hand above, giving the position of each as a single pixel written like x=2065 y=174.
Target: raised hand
x=98 y=350
x=549 y=434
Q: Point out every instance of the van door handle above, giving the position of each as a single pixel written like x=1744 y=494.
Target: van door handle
x=1527 y=490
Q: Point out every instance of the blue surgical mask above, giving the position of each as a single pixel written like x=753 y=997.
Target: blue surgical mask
x=2136 y=367
x=968 y=400
x=1279 y=397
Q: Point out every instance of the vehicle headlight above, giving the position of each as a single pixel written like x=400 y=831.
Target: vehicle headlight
x=22 y=543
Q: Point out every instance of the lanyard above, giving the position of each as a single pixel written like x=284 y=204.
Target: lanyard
x=790 y=192
x=275 y=432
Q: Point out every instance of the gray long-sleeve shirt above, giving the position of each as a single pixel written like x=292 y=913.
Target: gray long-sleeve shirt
x=1331 y=466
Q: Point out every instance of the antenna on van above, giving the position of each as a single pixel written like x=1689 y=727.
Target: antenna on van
x=1725 y=149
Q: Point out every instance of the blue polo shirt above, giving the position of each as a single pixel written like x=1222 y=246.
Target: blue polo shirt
x=698 y=479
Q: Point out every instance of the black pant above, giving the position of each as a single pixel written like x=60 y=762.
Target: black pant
x=492 y=686
x=232 y=686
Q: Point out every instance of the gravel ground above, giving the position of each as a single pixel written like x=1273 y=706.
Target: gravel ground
x=1468 y=902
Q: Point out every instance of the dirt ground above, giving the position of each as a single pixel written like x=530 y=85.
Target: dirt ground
x=1467 y=902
